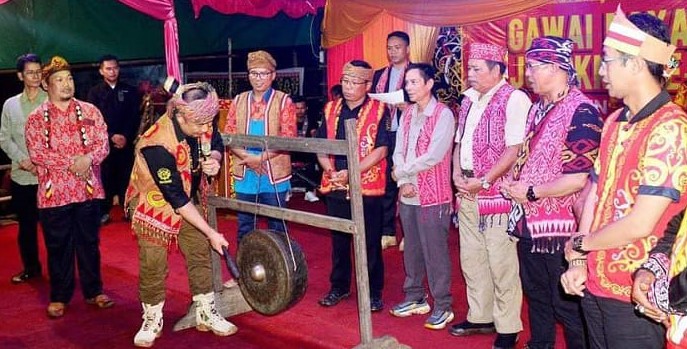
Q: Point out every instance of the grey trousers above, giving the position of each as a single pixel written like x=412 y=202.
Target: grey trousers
x=426 y=253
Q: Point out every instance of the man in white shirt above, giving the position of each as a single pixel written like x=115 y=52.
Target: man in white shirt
x=491 y=127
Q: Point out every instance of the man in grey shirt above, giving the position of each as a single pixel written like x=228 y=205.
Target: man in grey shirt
x=24 y=182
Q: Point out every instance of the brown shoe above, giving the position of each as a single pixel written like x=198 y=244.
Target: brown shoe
x=102 y=301
x=55 y=310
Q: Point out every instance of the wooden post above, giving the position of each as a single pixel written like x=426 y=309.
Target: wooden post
x=359 y=244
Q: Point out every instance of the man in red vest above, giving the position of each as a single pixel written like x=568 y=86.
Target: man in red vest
x=371 y=115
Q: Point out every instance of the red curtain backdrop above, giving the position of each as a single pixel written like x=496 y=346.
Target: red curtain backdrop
x=338 y=55
x=162 y=10
x=260 y=8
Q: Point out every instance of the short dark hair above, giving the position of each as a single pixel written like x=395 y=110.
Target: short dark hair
x=297 y=99
x=194 y=94
x=361 y=64
x=399 y=34
x=426 y=71
x=492 y=64
x=107 y=57
x=656 y=28
x=27 y=58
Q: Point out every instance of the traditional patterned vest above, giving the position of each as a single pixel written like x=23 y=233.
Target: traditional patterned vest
x=154 y=218
x=622 y=146
x=372 y=181
x=278 y=167
x=550 y=221
x=383 y=86
x=434 y=184
x=488 y=145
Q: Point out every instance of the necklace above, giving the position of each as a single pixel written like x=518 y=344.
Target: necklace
x=79 y=120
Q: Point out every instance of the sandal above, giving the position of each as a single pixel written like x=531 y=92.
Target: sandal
x=102 y=301
x=55 y=310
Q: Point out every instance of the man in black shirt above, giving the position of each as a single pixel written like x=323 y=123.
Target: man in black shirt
x=119 y=103
x=374 y=140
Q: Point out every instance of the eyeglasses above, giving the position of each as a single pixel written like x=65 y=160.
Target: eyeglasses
x=352 y=83
x=605 y=60
x=529 y=65
x=260 y=74
x=32 y=72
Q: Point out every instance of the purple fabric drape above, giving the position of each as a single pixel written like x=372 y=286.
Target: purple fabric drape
x=162 y=10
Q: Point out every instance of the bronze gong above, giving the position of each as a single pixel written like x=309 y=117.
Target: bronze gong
x=269 y=280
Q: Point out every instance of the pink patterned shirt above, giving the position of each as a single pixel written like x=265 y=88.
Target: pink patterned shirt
x=57 y=186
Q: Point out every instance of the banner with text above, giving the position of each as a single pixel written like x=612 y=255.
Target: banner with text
x=585 y=22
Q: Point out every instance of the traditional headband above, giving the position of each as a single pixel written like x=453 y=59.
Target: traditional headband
x=56 y=64
x=488 y=52
x=625 y=37
x=261 y=59
x=200 y=111
x=358 y=72
x=554 y=50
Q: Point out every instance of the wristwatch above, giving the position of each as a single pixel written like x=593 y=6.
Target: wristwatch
x=577 y=244
x=530 y=194
x=485 y=183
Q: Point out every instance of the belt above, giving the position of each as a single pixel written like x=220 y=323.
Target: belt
x=468 y=173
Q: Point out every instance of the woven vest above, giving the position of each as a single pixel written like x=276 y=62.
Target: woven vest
x=154 y=218
x=434 y=184
x=549 y=217
x=372 y=181
x=489 y=143
x=278 y=167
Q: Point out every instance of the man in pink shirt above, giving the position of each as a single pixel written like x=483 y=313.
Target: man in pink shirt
x=67 y=141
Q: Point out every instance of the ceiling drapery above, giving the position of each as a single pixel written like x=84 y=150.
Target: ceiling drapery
x=344 y=19
x=163 y=10
x=260 y=8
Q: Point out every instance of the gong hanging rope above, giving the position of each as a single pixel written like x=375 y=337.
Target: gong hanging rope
x=255 y=215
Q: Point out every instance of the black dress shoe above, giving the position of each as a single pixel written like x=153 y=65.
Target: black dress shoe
x=505 y=341
x=333 y=298
x=467 y=328
x=23 y=277
x=376 y=305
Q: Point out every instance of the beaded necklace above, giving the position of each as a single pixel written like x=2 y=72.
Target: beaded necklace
x=84 y=142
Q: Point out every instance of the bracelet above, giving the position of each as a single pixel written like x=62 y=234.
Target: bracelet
x=578 y=262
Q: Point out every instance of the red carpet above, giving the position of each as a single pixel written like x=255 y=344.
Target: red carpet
x=306 y=325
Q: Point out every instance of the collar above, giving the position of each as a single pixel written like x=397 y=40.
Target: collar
x=265 y=96
x=474 y=95
x=345 y=105
x=656 y=103
x=54 y=110
x=429 y=109
x=40 y=97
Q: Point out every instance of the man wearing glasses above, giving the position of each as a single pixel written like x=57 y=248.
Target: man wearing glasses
x=261 y=175
x=638 y=186
x=15 y=111
x=373 y=143
x=561 y=143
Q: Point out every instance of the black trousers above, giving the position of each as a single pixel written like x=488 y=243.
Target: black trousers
x=547 y=302
x=613 y=324
x=390 y=198
x=25 y=205
x=70 y=230
x=115 y=173
x=342 y=265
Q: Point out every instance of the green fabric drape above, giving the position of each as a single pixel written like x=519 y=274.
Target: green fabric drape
x=344 y=19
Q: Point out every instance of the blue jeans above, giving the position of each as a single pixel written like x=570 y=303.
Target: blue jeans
x=246 y=220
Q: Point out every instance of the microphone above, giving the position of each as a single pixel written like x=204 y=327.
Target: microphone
x=205 y=143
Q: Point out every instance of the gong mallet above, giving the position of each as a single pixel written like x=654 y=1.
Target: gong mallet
x=231 y=264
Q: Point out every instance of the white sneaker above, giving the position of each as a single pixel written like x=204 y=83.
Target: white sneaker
x=151 y=327
x=402 y=245
x=288 y=196
x=310 y=196
x=207 y=317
